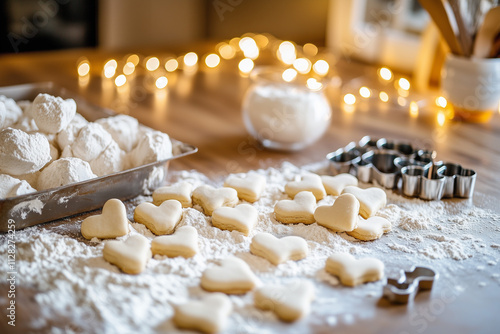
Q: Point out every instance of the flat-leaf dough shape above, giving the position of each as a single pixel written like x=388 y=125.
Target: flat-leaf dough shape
x=289 y=303
x=371 y=228
x=371 y=199
x=241 y=218
x=208 y=315
x=131 y=255
x=277 y=250
x=159 y=219
x=111 y=223
x=184 y=242
x=232 y=276
x=210 y=198
x=249 y=188
x=180 y=191
x=335 y=184
x=310 y=182
x=341 y=216
x=352 y=272
x=298 y=210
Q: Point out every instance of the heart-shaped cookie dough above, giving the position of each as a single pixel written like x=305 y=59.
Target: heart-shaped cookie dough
x=335 y=184
x=111 y=223
x=180 y=191
x=371 y=228
x=341 y=216
x=310 y=182
x=232 y=276
x=184 y=242
x=249 y=188
x=208 y=315
x=298 y=210
x=352 y=272
x=159 y=219
x=277 y=250
x=131 y=256
x=371 y=199
x=210 y=198
x=241 y=218
x=289 y=303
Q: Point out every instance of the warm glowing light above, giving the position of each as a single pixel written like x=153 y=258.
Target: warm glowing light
x=401 y=101
x=441 y=118
x=249 y=47
x=349 y=99
x=413 y=109
x=385 y=73
x=261 y=40
x=161 y=82
x=321 y=67
x=286 y=52
x=111 y=63
x=226 y=51
x=404 y=84
x=83 y=68
x=110 y=68
x=129 y=68
x=246 y=65
x=365 y=92
x=384 y=97
x=190 y=59
x=302 y=65
x=120 y=80
x=212 y=60
x=234 y=42
x=289 y=74
x=171 y=65
x=310 y=49
x=152 y=64
x=134 y=59
x=441 y=102
x=403 y=93
x=314 y=84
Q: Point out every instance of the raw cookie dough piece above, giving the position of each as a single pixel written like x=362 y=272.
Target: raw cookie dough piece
x=311 y=182
x=232 y=276
x=91 y=141
x=110 y=161
x=52 y=114
x=124 y=130
x=370 y=229
x=184 y=242
x=298 y=210
x=341 y=216
x=180 y=191
x=352 y=272
x=64 y=171
x=21 y=152
x=277 y=250
x=210 y=198
x=371 y=200
x=241 y=218
x=289 y=303
x=10 y=112
x=335 y=184
x=249 y=188
x=68 y=135
x=159 y=219
x=112 y=223
x=131 y=256
x=152 y=146
x=208 y=315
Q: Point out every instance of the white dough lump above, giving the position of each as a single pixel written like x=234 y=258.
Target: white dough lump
x=64 y=171
x=22 y=153
x=124 y=130
x=91 y=141
x=152 y=146
x=9 y=112
x=11 y=187
x=52 y=114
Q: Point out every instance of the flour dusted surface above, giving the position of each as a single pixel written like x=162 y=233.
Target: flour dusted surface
x=76 y=283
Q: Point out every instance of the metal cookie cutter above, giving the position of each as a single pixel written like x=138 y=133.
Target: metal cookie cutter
x=404 y=289
x=342 y=160
x=459 y=182
x=384 y=170
x=416 y=182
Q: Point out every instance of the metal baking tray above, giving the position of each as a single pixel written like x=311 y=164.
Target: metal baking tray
x=48 y=205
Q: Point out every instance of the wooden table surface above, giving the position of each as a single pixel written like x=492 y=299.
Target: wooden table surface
x=203 y=109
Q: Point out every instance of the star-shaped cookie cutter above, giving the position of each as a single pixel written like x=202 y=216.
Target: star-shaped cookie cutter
x=404 y=289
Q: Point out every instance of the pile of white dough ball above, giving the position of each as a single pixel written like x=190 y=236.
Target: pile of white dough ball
x=46 y=144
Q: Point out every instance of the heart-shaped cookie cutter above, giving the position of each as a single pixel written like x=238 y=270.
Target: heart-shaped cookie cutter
x=406 y=287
